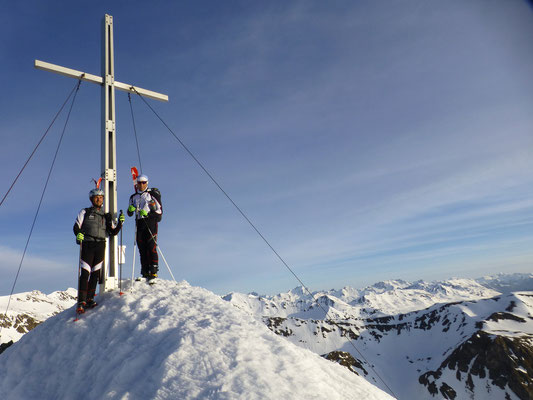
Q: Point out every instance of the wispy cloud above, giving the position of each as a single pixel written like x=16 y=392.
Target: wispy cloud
x=394 y=136
x=36 y=272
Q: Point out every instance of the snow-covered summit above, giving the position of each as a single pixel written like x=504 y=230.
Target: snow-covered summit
x=386 y=286
x=171 y=341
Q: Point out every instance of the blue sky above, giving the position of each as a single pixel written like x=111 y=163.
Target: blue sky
x=366 y=140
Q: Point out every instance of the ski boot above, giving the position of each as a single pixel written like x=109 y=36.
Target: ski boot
x=81 y=307
x=152 y=275
x=143 y=277
x=90 y=304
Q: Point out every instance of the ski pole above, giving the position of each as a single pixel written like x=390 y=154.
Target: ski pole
x=159 y=249
x=79 y=272
x=120 y=268
x=169 y=270
x=133 y=258
x=134 y=175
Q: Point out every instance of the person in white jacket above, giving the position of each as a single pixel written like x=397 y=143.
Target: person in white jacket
x=145 y=203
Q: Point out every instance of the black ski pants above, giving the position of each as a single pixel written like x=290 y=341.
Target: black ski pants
x=91 y=261
x=147 y=243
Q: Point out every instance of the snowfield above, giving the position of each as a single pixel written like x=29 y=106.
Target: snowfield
x=169 y=341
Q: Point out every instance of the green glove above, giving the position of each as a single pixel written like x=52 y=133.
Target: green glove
x=143 y=213
x=80 y=237
x=131 y=208
x=122 y=218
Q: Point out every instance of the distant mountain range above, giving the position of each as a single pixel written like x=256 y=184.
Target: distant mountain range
x=453 y=339
x=29 y=309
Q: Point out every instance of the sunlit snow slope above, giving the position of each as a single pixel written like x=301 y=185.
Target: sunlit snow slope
x=169 y=341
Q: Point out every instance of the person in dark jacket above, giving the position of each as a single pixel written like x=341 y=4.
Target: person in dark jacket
x=91 y=228
x=148 y=212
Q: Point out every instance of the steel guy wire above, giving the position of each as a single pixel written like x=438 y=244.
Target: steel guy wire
x=41 y=201
x=259 y=233
x=39 y=143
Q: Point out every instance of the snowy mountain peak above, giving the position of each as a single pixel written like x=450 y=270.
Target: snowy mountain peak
x=29 y=309
x=170 y=341
x=298 y=292
x=385 y=286
x=347 y=293
x=507 y=283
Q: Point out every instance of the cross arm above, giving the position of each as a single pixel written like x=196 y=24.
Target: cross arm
x=143 y=92
x=72 y=73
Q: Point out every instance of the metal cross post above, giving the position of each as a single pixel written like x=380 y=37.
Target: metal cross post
x=109 y=158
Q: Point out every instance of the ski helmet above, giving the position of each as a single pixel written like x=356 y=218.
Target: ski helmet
x=96 y=192
x=142 y=178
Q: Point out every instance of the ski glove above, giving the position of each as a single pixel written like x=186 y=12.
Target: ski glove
x=131 y=208
x=122 y=218
x=80 y=237
x=143 y=213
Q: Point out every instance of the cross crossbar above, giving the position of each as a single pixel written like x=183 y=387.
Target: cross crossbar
x=72 y=73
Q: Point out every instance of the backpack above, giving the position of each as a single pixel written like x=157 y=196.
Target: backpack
x=157 y=195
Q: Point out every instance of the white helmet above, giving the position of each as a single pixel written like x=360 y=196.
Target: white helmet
x=142 y=178
x=96 y=192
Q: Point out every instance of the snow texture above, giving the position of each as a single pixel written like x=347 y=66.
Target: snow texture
x=169 y=341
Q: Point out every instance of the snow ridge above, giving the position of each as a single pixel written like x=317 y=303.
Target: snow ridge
x=171 y=341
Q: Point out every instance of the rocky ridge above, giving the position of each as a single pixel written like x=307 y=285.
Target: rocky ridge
x=29 y=309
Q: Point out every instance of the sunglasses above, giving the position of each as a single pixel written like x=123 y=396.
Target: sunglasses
x=142 y=183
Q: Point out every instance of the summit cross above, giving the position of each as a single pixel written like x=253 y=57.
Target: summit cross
x=108 y=155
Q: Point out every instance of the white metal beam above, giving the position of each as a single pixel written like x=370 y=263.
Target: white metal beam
x=72 y=73
x=143 y=92
x=109 y=153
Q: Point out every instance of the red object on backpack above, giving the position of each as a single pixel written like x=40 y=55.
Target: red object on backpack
x=134 y=175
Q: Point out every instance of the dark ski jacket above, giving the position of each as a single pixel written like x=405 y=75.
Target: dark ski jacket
x=95 y=224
